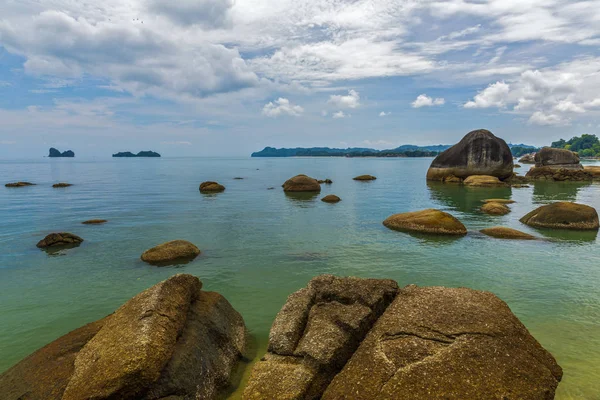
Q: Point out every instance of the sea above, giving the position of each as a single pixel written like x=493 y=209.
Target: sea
x=259 y=245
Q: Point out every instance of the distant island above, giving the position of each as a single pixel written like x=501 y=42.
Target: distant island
x=140 y=154
x=406 y=150
x=56 y=153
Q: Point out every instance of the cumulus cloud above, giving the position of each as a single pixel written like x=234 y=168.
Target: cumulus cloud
x=340 y=114
x=281 y=106
x=495 y=95
x=540 y=118
x=384 y=114
x=351 y=100
x=425 y=101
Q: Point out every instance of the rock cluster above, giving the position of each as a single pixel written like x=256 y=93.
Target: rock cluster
x=527 y=159
x=558 y=165
x=172 y=341
x=350 y=338
x=301 y=183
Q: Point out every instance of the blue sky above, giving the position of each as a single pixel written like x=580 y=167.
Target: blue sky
x=225 y=77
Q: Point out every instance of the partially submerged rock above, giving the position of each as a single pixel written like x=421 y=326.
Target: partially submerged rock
x=527 y=159
x=594 y=170
x=211 y=187
x=170 y=340
x=378 y=342
x=301 y=183
x=61 y=239
x=501 y=232
x=563 y=215
x=559 y=174
x=94 y=221
x=364 y=178
x=62 y=185
x=501 y=201
x=493 y=208
x=331 y=198
x=483 y=181
x=478 y=153
x=19 y=184
x=315 y=333
x=325 y=181
x=173 y=252
x=426 y=221
x=557 y=158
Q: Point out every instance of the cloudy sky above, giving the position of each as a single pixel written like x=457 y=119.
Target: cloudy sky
x=228 y=77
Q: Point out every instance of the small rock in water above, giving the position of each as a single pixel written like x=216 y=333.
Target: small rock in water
x=59 y=240
x=325 y=181
x=94 y=221
x=364 y=178
x=62 y=185
x=301 y=183
x=426 y=221
x=501 y=232
x=19 y=184
x=173 y=252
x=494 y=208
x=211 y=187
x=501 y=201
x=331 y=198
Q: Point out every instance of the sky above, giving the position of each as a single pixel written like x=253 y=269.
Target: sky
x=229 y=77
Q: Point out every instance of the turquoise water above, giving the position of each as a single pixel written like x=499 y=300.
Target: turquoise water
x=260 y=245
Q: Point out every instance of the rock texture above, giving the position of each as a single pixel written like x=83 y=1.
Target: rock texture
x=501 y=232
x=364 y=178
x=594 y=170
x=331 y=198
x=62 y=185
x=301 y=183
x=478 y=153
x=426 y=221
x=94 y=221
x=211 y=187
x=493 y=208
x=19 y=184
x=563 y=215
x=315 y=333
x=173 y=252
x=557 y=158
x=171 y=341
x=429 y=343
x=62 y=239
x=483 y=181
x=558 y=174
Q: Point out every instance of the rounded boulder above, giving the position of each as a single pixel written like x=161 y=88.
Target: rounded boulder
x=501 y=232
x=426 y=221
x=301 y=183
x=59 y=239
x=173 y=252
x=365 y=178
x=211 y=187
x=493 y=208
x=563 y=215
x=331 y=198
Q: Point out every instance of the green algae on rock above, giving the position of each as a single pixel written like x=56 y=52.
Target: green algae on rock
x=426 y=221
x=563 y=215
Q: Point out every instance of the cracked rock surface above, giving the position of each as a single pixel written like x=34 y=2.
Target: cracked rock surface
x=430 y=342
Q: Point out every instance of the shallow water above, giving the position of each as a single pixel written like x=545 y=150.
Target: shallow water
x=260 y=245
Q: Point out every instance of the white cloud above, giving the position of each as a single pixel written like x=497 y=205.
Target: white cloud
x=540 y=118
x=340 y=114
x=425 y=101
x=208 y=13
x=384 y=114
x=351 y=100
x=281 y=106
x=495 y=95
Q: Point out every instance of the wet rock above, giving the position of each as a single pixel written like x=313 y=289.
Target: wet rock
x=558 y=174
x=493 y=208
x=364 y=178
x=500 y=232
x=426 y=221
x=19 y=184
x=557 y=158
x=61 y=239
x=172 y=339
x=211 y=187
x=94 y=221
x=331 y=198
x=594 y=170
x=483 y=181
x=436 y=342
x=173 y=252
x=478 y=153
x=315 y=333
x=62 y=185
x=563 y=215
x=301 y=183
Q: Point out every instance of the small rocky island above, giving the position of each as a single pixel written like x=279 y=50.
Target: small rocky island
x=55 y=153
x=140 y=154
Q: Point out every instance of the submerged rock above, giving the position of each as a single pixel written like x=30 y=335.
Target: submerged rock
x=493 y=208
x=483 y=181
x=364 y=178
x=170 y=340
x=563 y=215
x=94 y=221
x=19 y=184
x=59 y=240
x=478 y=153
x=62 y=185
x=363 y=339
x=331 y=198
x=301 y=183
x=501 y=232
x=315 y=333
x=426 y=221
x=173 y=252
x=211 y=187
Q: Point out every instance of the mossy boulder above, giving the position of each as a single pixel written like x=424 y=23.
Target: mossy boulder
x=19 y=184
x=62 y=185
x=480 y=152
x=94 y=221
x=426 y=221
x=301 y=183
x=331 y=198
x=551 y=173
x=493 y=208
x=563 y=215
x=211 y=187
x=483 y=181
x=173 y=252
x=501 y=232
x=60 y=239
x=364 y=178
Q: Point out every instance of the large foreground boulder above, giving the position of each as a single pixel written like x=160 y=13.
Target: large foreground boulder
x=429 y=343
x=478 y=153
x=170 y=340
x=301 y=183
x=563 y=215
x=426 y=221
x=60 y=239
x=315 y=334
x=173 y=252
